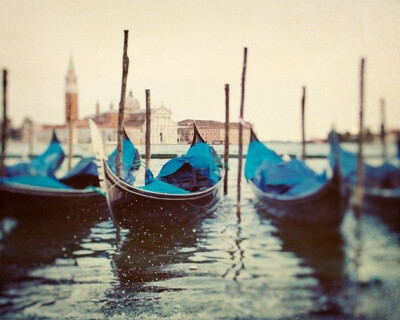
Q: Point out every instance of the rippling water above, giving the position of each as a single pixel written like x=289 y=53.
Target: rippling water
x=218 y=268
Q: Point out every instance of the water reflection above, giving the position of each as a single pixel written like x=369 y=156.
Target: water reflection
x=237 y=255
x=30 y=244
x=144 y=255
x=322 y=250
x=144 y=259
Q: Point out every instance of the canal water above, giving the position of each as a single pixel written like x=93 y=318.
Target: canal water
x=62 y=267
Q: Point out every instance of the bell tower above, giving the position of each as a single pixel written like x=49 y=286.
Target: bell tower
x=71 y=94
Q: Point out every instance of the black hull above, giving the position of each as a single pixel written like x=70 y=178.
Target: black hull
x=132 y=207
x=324 y=207
x=383 y=203
x=40 y=202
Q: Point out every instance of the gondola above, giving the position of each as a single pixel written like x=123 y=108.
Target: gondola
x=32 y=189
x=291 y=190
x=186 y=188
x=381 y=189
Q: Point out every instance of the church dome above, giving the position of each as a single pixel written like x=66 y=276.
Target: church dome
x=131 y=103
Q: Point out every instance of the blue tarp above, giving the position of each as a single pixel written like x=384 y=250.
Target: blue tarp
x=199 y=157
x=385 y=175
x=204 y=149
x=82 y=175
x=290 y=173
x=256 y=154
x=86 y=166
x=200 y=160
x=36 y=181
x=45 y=164
x=271 y=174
x=157 y=185
x=130 y=160
x=40 y=172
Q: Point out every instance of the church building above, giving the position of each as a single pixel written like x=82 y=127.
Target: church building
x=163 y=129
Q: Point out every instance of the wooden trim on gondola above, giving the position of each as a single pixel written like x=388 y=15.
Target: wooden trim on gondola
x=115 y=181
x=43 y=191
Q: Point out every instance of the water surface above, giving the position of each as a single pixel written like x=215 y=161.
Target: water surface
x=217 y=268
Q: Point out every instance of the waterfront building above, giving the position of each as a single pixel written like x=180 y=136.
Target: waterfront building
x=163 y=129
x=212 y=132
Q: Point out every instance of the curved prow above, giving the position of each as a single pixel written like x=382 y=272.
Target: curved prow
x=125 y=135
x=101 y=158
x=196 y=136
x=54 y=137
x=334 y=154
x=137 y=160
x=253 y=136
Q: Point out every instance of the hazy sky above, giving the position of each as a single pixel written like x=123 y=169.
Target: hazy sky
x=184 y=51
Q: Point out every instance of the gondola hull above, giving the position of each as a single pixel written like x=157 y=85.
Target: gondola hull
x=34 y=202
x=324 y=207
x=384 y=203
x=132 y=207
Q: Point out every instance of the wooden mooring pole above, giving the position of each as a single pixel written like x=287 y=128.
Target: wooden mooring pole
x=303 y=134
x=148 y=129
x=125 y=65
x=4 y=126
x=359 y=191
x=241 y=121
x=383 y=131
x=226 y=151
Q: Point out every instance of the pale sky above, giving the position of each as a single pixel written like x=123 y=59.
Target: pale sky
x=185 y=51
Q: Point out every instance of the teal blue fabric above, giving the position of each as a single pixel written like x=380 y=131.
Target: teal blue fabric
x=385 y=175
x=130 y=160
x=271 y=174
x=156 y=185
x=85 y=166
x=201 y=157
x=306 y=186
x=204 y=149
x=82 y=175
x=256 y=154
x=44 y=165
x=40 y=172
x=35 y=181
x=163 y=187
x=290 y=173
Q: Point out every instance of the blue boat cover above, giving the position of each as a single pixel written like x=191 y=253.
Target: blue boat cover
x=200 y=165
x=45 y=164
x=271 y=174
x=157 y=185
x=385 y=175
x=40 y=172
x=256 y=154
x=200 y=157
x=35 y=181
x=130 y=160
x=86 y=166
x=82 y=175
